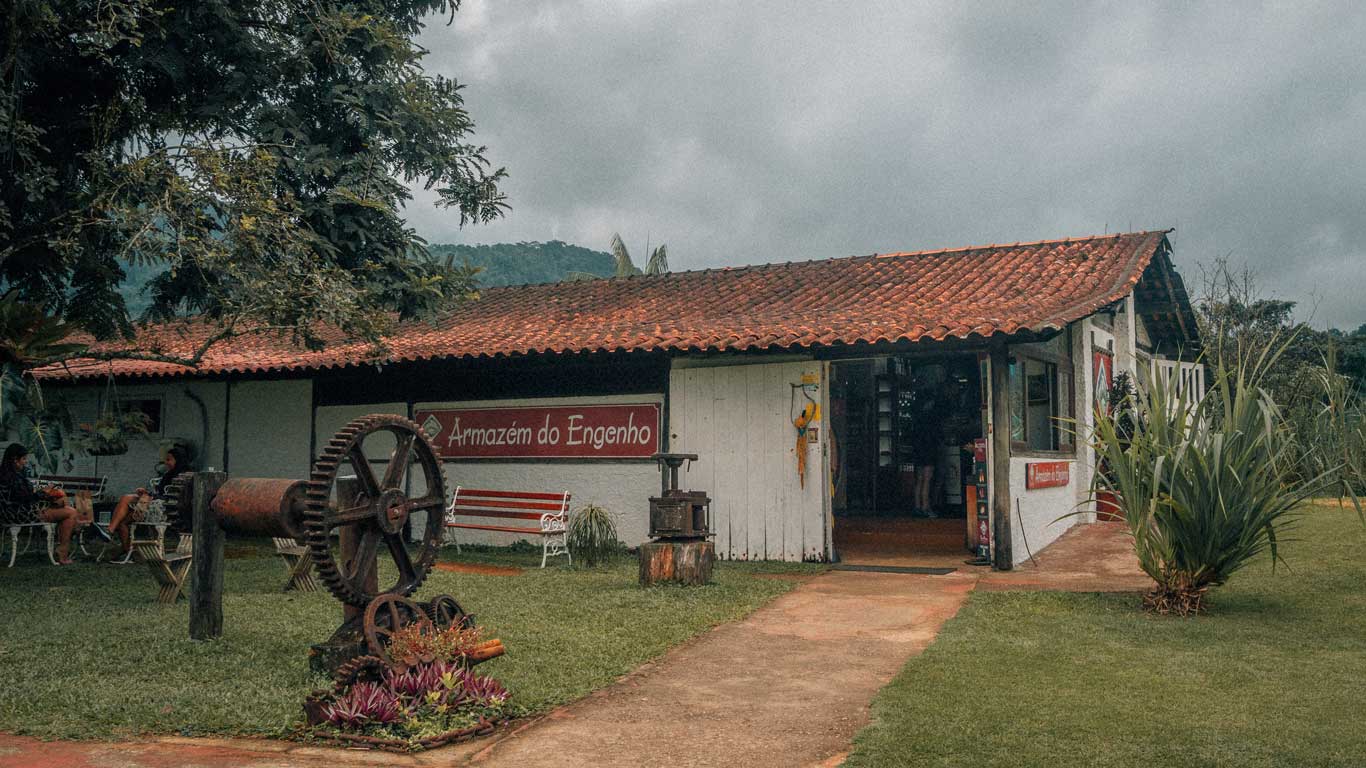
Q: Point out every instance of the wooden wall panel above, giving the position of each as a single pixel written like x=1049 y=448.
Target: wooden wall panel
x=736 y=418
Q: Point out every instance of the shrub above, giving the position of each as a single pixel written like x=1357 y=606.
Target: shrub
x=1206 y=481
x=592 y=536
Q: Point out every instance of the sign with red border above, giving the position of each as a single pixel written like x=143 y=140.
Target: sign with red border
x=626 y=431
x=1047 y=474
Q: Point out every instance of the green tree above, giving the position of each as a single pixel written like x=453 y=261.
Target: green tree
x=521 y=263
x=257 y=154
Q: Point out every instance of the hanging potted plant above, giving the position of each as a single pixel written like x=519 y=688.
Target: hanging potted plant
x=108 y=435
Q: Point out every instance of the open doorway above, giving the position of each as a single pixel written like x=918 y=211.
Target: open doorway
x=905 y=429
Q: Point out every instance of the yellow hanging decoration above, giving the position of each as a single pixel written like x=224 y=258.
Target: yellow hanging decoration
x=811 y=412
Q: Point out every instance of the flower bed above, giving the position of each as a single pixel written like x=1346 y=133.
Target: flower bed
x=424 y=695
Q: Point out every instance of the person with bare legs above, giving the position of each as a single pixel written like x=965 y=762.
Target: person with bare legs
x=22 y=495
x=128 y=509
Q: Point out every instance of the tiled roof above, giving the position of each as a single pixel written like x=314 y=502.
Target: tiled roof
x=961 y=293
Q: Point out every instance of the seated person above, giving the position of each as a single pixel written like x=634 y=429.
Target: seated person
x=128 y=510
x=46 y=505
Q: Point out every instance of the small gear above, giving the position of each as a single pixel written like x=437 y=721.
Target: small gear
x=361 y=669
x=445 y=612
x=386 y=615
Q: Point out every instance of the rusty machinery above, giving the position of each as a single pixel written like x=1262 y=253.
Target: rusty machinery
x=351 y=514
x=678 y=515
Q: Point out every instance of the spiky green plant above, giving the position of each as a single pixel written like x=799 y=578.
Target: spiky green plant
x=592 y=536
x=1207 y=481
x=1330 y=424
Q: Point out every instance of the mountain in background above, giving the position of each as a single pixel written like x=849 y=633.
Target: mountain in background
x=503 y=264
x=136 y=277
x=520 y=263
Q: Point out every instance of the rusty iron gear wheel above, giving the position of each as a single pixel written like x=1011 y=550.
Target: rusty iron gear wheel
x=360 y=669
x=444 y=611
x=378 y=512
x=177 y=500
x=386 y=615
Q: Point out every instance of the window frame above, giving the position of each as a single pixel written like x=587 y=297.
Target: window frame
x=1059 y=368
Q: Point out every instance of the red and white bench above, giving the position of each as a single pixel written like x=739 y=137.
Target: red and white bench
x=499 y=510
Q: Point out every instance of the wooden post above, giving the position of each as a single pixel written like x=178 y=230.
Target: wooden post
x=206 y=572
x=681 y=562
x=348 y=490
x=1000 y=458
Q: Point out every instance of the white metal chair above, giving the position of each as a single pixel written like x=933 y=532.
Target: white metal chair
x=152 y=526
x=14 y=519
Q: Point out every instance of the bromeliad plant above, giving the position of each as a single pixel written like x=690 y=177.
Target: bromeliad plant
x=1206 y=482
x=427 y=694
x=592 y=536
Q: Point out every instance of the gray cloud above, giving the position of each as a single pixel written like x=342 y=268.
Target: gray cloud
x=776 y=131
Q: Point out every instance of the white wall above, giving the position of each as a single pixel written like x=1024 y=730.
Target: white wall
x=268 y=429
x=621 y=487
x=736 y=418
x=1035 y=513
x=181 y=418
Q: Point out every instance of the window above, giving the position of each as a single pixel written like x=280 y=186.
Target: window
x=151 y=408
x=1041 y=398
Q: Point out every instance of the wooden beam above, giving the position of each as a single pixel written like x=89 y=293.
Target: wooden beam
x=1000 y=458
x=348 y=540
x=1171 y=297
x=206 y=572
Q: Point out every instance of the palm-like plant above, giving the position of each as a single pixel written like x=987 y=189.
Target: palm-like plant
x=1207 y=481
x=622 y=266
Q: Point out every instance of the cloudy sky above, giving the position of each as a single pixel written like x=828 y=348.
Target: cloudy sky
x=748 y=132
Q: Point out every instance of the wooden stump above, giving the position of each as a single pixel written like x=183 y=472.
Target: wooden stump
x=680 y=562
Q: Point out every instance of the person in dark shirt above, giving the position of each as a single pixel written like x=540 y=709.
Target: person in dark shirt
x=127 y=511
x=48 y=506
x=926 y=440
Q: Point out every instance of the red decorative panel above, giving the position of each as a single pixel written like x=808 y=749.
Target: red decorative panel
x=547 y=432
x=1047 y=474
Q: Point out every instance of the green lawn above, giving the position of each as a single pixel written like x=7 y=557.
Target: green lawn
x=1274 y=676
x=86 y=653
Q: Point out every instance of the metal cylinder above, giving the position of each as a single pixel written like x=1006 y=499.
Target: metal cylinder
x=262 y=506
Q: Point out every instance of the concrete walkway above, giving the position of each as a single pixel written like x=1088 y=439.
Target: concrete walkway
x=788 y=686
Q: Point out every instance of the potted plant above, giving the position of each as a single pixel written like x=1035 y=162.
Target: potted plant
x=108 y=435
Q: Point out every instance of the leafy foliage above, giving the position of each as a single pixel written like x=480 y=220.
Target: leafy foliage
x=592 y=536
x=108 y=435
x=365 y=704
x=411 y=644
x=1207 y=481
x=28 y=415
x=257 y=154
x=431 y=697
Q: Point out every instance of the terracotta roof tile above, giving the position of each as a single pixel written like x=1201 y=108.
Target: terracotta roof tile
x=959 y=292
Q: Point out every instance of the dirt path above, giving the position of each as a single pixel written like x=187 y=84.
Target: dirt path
x=788 y=686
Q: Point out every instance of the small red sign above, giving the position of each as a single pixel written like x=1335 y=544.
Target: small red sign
x=547 y=432
x=1047 y=474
